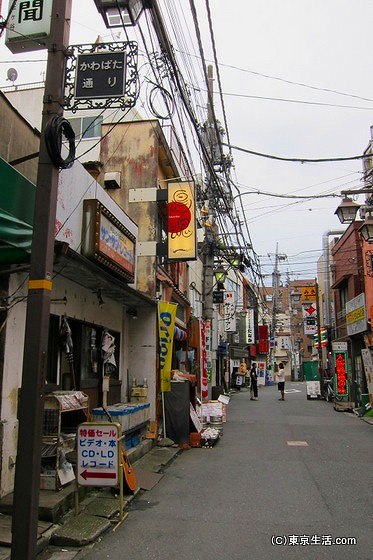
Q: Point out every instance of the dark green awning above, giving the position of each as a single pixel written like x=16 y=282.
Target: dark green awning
x=17 y=204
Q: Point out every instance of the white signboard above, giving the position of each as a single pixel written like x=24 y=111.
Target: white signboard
x=309 y=310
x=356 y=318
x=310 y=326
x=230 y=312
x=250 y=327
x=29 y=26
x=339 y=346
x=368 y=367
x=97 y=454
x=313 y=389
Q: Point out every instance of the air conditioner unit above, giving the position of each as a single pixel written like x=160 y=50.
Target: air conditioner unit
x=112 y=180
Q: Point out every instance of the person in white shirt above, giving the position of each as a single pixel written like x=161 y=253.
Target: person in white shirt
x=281 y=380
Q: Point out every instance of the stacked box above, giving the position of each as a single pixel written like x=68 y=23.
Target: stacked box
x=128 y=415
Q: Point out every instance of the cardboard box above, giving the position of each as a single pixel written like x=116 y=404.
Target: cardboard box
x=139 y=392
x=139 y=399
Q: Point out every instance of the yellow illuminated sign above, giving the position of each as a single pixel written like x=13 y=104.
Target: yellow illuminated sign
x=309 y=293
x=181 y=221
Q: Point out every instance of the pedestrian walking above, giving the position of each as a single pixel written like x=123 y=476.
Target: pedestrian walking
x=281 y=380
x=253 y=383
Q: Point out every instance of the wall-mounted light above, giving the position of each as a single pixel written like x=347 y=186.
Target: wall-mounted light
x=119 y=13
x=132 y=312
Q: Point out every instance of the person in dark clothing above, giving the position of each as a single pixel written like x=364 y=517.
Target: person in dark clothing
x=253 y=383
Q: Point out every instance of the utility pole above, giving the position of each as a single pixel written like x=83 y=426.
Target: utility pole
x=319 y=349
x=209 y=244
x=31 y=406
x=209 y=239
x=275 y=286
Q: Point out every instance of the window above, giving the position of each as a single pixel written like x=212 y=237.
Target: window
x=87 y=127
x=53 y=353
x=343 y=294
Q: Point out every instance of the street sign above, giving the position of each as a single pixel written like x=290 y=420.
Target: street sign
x=100 y=75
x=218 y=296
x=97 y=454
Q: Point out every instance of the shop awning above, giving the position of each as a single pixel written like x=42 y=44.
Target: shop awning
x=17 y=203
x=86 y=273
x=237 y=351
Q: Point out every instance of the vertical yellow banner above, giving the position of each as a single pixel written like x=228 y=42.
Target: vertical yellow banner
x=166 y=326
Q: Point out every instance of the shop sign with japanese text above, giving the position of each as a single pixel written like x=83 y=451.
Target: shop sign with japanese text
x=203 y=361
x=107 y=241
x=310 y=326
x=97 y=454
x=356 y=318
x=250 y=327
x=182 y=240
x=230 y=312
x=100 y=75
x=340 y=368
x=308 y=293
x=29 y=26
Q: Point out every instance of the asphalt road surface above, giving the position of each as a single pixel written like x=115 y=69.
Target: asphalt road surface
x=290 y=479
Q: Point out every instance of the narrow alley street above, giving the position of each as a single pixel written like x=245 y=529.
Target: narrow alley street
x=287 y=480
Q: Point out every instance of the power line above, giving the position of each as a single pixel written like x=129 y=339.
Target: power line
x=297 y=160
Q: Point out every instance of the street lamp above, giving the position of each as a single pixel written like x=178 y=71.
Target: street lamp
x=119 y=13
x=295 y=297
x=366 y=230
x=220 y=276
x=346 y=211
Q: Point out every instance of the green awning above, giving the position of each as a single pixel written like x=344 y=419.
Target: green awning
x=17 y=204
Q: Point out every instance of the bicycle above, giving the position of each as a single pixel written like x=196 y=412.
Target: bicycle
x=330 y=394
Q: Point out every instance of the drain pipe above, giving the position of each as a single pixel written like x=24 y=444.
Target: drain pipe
x=325 y=248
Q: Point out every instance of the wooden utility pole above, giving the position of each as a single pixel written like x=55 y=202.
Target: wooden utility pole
x=31 y=406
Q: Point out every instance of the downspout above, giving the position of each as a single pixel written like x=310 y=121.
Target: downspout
x=325 y=248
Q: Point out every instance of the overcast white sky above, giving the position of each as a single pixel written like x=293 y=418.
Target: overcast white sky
x=262 y=47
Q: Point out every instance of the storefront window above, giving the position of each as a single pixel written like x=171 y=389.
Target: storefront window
x=85 y=365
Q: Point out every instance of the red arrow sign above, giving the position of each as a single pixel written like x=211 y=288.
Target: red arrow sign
x=89 y=474
x=310 y=310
